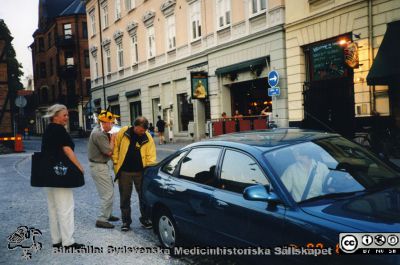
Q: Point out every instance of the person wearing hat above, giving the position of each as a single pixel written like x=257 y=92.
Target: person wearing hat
x=100 y=149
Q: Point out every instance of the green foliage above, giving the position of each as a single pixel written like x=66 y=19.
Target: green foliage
x=14 y=67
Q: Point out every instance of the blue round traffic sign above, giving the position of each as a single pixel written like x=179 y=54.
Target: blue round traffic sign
x=273 y=78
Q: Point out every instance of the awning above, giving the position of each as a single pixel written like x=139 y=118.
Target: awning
x=112 y=98
x=133 y=93
x=243 y=66
x=386 y=66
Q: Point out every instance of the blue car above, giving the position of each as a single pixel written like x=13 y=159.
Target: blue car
x=286 y=190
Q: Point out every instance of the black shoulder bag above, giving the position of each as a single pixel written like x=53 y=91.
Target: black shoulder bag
x=55 y=170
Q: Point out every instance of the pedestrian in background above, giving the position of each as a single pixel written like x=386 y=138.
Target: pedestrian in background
x=133 y=151
x=160 y=129
x=60 y=200
x=151 y=129
x=100 y=148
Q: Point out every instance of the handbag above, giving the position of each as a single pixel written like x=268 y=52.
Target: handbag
x=56 y=171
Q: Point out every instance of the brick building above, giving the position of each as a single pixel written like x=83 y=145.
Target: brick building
x=61 y=61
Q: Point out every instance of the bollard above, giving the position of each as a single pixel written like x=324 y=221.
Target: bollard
x=18 y=145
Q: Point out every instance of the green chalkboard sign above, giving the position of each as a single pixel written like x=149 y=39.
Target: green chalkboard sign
x=327 y=61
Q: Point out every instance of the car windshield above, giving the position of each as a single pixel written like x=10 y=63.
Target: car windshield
x=328 y=167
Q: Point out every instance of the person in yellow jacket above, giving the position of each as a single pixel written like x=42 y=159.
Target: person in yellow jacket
x=134 y=149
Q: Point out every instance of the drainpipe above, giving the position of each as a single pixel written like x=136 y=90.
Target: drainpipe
x=371 y=55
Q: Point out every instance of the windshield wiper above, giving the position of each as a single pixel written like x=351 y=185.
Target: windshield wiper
x=336 y=195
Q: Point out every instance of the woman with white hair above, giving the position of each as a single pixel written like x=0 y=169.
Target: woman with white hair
x=60 y=200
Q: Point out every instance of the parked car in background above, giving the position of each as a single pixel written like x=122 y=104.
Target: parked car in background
x=281 y=187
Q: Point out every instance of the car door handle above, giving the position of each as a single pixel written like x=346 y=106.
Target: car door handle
x=170 y=188
x=221 y=204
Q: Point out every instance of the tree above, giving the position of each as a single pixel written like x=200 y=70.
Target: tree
x=14 y=67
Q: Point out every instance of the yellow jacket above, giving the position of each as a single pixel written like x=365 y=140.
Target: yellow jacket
x=122 y=141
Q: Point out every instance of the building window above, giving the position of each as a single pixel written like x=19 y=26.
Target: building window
x=129 y=4
x=258 y=6
x=224 y=13
x=135 y=54
x=41 y=44
x=42 y=70
x=69 y=58
x=49 y=39
x=86 y=58
x=51 y=67
x=93 y=22
x=185 y=111
x=120 y=55
x=67 y=31
x=151 y=42
x=171 y=44
x=84 y=30
x=96 y=67
x=104 y=17
x=117 y=9
x=108 y=60
x=195 y=21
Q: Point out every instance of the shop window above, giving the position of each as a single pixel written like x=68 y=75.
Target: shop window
x=115 y=109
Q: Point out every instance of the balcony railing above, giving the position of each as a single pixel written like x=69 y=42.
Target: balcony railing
x=67 y=71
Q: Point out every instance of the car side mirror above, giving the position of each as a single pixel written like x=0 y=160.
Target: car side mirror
x=260 y=193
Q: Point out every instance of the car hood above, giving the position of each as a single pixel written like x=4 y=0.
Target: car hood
x=377 y=211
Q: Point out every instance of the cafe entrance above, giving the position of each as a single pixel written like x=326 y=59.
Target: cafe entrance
x=251 y=95
x=329 y=92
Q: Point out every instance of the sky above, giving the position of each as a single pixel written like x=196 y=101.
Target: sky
x=21 y=17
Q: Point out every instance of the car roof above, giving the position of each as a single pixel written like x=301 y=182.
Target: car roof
x=266 y=139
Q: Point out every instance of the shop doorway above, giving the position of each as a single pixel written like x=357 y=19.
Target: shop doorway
x=251 y=95
x=329 y=105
